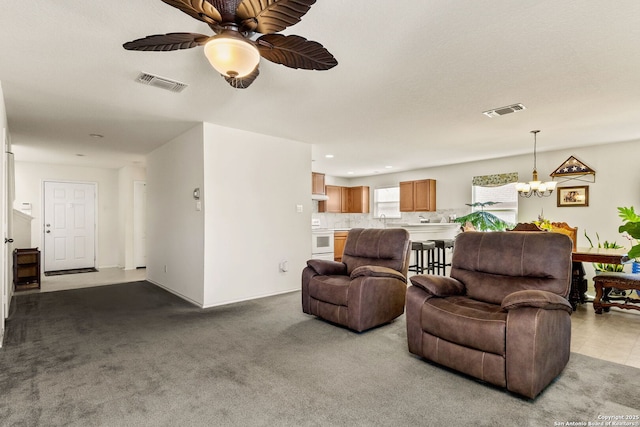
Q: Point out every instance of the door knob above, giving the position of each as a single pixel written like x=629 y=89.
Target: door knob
x=8 y=240
x=48 y=231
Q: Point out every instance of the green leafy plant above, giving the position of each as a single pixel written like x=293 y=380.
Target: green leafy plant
x=483 y=221
x=605 y=245
x=632 y=229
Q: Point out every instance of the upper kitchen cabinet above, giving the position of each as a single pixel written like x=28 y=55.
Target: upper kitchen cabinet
x=358 y=199
x=418 y=196
x=345 y=200
x=317 y=183
x=334 y=204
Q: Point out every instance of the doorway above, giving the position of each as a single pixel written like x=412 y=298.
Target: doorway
x=139 y=224
x=69 y=225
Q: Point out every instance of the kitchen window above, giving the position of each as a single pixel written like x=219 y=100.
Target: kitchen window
x=506 y=196
x=386 y=201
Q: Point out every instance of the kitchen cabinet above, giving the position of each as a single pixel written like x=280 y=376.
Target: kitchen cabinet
x=359 y=199
x=317 y=183
x=418 y=196
x=334 y=204
x=345 y=200
x=339 y=239
x=26 y=269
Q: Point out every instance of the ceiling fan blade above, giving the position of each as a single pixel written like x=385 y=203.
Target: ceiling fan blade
x=198 y=9
x=271 y=16
x=227 y=8
x=243 y=82
x=166 y=42
x=295 y=52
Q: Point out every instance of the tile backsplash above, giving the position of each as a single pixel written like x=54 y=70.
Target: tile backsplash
x=342 y=220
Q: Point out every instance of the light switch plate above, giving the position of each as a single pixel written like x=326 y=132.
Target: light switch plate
x=299 y=208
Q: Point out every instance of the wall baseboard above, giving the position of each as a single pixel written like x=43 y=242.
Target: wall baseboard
x=272 y=294
x=171 y=291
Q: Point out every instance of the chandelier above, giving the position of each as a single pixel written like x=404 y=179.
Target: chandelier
x=535 y=186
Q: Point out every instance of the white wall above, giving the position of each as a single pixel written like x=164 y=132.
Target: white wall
x=28 y=181
x=6 y=291
x=617 y=184
x=126 y=177
x=175 y=229
x=253 y=185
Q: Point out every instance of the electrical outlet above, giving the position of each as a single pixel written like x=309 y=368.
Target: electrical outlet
x=299 y=208
x=284 y=267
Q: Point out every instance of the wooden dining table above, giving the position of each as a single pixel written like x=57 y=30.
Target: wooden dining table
x=595 y=255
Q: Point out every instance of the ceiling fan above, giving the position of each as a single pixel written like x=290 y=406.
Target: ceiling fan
x=232 y=52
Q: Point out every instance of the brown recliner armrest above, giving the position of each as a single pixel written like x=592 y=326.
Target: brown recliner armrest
x=377 y=271
x=440 y=286
x=325 y=267
x=537 y=299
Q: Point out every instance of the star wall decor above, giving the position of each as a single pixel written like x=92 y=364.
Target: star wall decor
x=571 y=167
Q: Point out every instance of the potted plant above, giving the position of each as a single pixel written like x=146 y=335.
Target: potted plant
x=483 y=221
x=598 y=267
x=631 y=230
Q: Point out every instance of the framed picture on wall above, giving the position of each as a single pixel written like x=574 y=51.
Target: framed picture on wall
x=573 y=196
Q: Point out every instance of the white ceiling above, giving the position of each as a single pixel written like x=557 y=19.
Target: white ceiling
x=412 y=81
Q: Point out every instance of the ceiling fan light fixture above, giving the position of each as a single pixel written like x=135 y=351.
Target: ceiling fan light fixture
x=231 y=55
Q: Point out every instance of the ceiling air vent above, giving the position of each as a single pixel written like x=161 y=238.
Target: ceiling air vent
x=161 y=82
x=504 y=110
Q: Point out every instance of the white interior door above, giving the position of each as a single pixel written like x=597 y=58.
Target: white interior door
x=139 y=224
x=69 y=225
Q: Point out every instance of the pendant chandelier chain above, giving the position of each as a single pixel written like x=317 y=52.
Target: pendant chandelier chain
x=535 y=187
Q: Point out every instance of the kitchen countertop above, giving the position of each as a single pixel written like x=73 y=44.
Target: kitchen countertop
x=412 y=226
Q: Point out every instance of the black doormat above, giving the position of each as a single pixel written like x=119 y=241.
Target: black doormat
x=72 y=271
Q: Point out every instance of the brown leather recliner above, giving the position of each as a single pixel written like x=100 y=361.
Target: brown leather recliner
x=367 y=288
x=502 y=316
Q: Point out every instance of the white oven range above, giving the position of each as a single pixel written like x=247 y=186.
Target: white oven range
x=321 y=241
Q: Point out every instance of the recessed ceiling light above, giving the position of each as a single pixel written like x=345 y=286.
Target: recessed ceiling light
x=96 y=135
x=388 y=167
x=329 y=156
x=350 y=173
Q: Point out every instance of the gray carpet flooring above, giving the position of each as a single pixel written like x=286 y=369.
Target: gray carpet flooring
x=134 y=355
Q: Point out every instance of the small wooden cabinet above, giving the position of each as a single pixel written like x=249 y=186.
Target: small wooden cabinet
x=359 y=199
x=339 y=239
x=345 y=200
x=334 y=204
x=26 y=269
x=317 y=183
x=418 y=196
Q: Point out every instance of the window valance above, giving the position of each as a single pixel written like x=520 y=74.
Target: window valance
x=495 y=180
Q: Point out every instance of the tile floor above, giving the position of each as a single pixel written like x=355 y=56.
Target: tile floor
x=612 y=336
x=106 y=276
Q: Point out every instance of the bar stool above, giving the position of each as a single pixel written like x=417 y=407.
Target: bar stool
x=440 y=263
x=429 y=247
x=420 y=248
